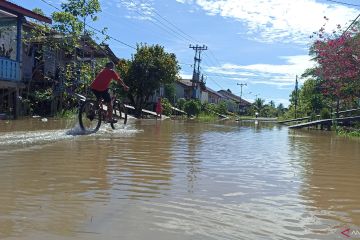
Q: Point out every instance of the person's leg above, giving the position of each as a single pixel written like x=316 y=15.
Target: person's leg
x=109 y=110
x=107 y=99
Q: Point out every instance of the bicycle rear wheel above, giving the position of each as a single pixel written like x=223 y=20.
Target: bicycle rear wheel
x=90 y=116
x=119 y=113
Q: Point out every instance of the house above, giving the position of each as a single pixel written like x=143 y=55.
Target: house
x=12 y=19
x=183 y=89
x=33 y=65
x=213 y=96
x=240 y=106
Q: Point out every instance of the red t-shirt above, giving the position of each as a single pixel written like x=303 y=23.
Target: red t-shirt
x=103 y=79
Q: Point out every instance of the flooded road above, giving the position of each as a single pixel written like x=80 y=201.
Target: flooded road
x=176 y=180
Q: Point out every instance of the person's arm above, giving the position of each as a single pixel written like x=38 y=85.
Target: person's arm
x=120 y=81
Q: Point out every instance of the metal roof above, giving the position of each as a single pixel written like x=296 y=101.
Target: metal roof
x=20 y=11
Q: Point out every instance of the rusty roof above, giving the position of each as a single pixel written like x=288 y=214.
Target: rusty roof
x=20 y=11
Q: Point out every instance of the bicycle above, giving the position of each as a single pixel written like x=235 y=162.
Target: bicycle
x=92 y=112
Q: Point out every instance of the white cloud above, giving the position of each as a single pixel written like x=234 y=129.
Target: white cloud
x=279 y=20
x=137 y=9
x=185 y=76
x=280 y=75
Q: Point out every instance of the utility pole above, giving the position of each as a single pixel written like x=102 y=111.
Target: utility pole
x=241 y=86
x=296 y=95
x=196 y=72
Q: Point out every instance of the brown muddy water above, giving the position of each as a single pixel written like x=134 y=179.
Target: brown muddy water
x=176 y=180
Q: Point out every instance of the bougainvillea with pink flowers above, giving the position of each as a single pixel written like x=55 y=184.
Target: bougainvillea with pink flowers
x=338 y=63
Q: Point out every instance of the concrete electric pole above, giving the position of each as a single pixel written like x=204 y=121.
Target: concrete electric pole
x=196 y=73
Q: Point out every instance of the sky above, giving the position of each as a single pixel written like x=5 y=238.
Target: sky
x=261 y=43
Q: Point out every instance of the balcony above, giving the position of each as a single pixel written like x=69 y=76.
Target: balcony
x=9 y=70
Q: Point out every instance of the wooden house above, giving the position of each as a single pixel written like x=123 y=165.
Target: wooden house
x=26 y=66
x=12 y=20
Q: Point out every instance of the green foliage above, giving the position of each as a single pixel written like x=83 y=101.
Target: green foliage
x=280 y=109
x=181 y=103
x=170 y=91
x=259 y=104
x=268 y=111
x=313 y=117
x=207 y=117
x=325 y=113
x=67 y=113
x=150 y=67
x=348 y=132
x=83 y=9
x=222 y=107
x=209 y=108
x=39 y=11
x=192 y=107
x=167 y=107
x=42 y=95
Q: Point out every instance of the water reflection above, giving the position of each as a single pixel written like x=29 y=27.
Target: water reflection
x=48 y=189
x=144 y=169
x=331 y=173
x=177 y=180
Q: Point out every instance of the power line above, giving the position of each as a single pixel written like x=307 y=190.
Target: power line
x=183 y=35
x=344 y=3
x=95 y=29
x=157 y=22
x=351 y=25
x=178 y=33
x=188 y=37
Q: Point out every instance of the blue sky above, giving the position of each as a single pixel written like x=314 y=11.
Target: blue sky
x=263 y=43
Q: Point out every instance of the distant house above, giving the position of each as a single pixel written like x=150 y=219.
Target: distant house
x=12 y=20
x=241 y=105
x=213 y=96
x=183 y=89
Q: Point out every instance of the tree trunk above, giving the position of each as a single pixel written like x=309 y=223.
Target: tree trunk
x=138 y=106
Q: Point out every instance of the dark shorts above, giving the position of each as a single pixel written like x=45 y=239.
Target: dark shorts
x=102 y=95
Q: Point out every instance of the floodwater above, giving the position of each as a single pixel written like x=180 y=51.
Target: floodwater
x=176 y=180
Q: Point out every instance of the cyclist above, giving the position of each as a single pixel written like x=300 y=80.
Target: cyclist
x=100 y=87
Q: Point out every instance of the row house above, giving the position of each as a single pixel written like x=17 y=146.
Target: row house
x=240 y=105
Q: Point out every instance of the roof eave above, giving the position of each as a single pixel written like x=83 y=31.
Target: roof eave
x=20 y=11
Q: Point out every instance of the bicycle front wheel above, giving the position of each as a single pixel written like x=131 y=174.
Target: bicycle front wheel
x=90 y=116
x=119 y=113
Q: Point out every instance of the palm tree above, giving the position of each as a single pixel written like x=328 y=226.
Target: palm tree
x=259 y=103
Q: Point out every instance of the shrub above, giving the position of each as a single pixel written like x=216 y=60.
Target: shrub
x=325 y=113
x=192 y=107
x=167 y=107
x=181 y=103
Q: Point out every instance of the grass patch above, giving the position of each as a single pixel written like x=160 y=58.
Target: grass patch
x=348 y=132
x=205 y=117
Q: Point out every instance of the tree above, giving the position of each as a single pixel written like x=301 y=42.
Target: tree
x=272 y=104
x=338 y=58
x=169 y=90
x=259 y=103
x=311 y=99
x=150 y=67
x=280 y=109
x=64 y=37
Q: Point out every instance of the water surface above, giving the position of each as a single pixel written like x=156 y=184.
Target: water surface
x=176 y=180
